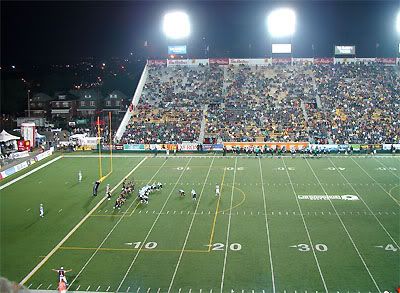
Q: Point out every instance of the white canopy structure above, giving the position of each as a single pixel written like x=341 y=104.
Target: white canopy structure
x=5 y=136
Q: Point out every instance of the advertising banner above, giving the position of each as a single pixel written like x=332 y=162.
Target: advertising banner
x=19 y=155
x=219 y=61
x=303 y=61
x=213 y=147
x=323 y=60
x=280 y=145
x=44 y=154
x=157 y=62
x=179 y=50
x=177 y=62
x=388 y=146
x=24 y=145
x=188 y=147
x=281 y=48
x=133 y=147
x=197 y=62
x=345 y=50
x=286 y=61
x=388 y=61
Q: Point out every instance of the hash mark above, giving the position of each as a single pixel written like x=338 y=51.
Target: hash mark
x=127 y=290
x=138 y=290
x=48 y=287
x=97 y=290
x=39 y=286
x=108 y=288
x=78 y=288
x=88 y=288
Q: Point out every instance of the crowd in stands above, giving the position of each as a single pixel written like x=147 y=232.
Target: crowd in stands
x=317 y=103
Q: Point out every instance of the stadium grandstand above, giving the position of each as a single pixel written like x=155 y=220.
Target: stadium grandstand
x=322 y=100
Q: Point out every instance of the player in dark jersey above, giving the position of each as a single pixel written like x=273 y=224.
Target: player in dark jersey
x=96 y=187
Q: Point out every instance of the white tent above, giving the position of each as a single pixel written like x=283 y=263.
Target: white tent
x=5 y=136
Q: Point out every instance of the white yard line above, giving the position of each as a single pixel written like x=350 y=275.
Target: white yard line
x=267 y=227
x=229 y=230
x=305 y=227
x=344 y=227
x=190 y=228
x=151 y=228
x=29 y=173
x=395 y=200
x=352 y=187
x=112 y=229
x=394 y=174
x=44 y=260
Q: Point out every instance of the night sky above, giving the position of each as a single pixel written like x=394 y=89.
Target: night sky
x=48 y=32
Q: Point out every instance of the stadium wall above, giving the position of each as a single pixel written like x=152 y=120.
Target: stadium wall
x=269 y=61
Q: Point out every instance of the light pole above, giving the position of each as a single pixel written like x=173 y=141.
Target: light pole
x=29 y=104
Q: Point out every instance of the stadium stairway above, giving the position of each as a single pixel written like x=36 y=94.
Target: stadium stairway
x=203 y=125
x=134 y=102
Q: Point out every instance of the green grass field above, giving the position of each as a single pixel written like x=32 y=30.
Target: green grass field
x=261 y=235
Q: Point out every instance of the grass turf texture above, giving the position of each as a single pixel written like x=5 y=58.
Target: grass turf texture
x=259 y=235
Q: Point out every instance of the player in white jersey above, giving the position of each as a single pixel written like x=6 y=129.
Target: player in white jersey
x=217 y=190
x=41 y=210
x=194 y=195
x=61 y=275
x=108 y=192
x=80 y=176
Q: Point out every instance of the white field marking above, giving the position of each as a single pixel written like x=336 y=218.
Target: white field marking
x=151 y=228
x=190 y=228
x=158 y=291
x=112 y=229
x=148 y=290
x=398 y=177
x=395 y=200
x=127 y=290
x=28 y=210
x=39 y=265
x=78 y=288
x=40 y=285
x=48 y=287
x=108 y=288
x=29 y=286
x=88 y=288
x=60 y=210
x=138 y=289
x=29 y=173
x=267 y=226
x=305 y=227
x=229 y=230
x=344 y=227
x=359 y=196
x=97 y=290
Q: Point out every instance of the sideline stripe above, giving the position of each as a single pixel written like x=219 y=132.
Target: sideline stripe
x=44 y=260
x=29 y=173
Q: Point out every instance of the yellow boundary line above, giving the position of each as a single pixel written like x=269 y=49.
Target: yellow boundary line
x=216 y=214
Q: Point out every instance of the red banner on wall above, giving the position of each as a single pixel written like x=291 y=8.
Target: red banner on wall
x=323 y=60
x=219 y=61
x=386 y=60
x=281 y=60
x=157 y=62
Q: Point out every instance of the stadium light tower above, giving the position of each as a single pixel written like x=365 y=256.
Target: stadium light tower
x=176 y=25
x=281 y=22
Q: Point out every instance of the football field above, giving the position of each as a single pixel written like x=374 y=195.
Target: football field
x=328 y=224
